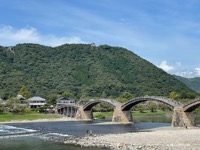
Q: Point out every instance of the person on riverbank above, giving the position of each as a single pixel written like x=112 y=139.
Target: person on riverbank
x=89 y=132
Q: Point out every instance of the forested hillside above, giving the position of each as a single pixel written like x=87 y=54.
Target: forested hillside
x=193 y=83
x=82 y=69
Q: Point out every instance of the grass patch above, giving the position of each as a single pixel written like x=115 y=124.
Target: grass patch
x=105 y=114
x=197 y=110
x=5 y=117
x=100 y=116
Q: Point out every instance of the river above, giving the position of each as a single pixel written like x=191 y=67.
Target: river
x=71 y=128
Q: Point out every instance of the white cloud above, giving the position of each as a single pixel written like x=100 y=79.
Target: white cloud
x=185 y=73
x=197 y=70
x=165 y=66
x=180 y=70
x=10 y=36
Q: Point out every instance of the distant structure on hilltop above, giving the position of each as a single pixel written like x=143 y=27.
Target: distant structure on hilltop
x=93 y=44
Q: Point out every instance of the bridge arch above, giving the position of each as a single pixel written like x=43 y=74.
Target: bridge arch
x=94 y=102
x=192 y=105
x=170 y=103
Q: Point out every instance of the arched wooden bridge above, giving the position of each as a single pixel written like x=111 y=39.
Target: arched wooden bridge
x=192 y=105
x=170 y=103
x=94 y=102
x=122 y=112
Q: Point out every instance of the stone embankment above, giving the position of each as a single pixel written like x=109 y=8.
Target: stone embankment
x=174 y=139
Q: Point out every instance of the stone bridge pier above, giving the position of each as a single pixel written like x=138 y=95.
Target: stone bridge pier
x=181 y=118
x=84 y=115
x=121 y=116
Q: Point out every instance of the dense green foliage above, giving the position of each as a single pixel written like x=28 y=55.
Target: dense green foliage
x=23 y=91
x=193 y=83
x=82 y=70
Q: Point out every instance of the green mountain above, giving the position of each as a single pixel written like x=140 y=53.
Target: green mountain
x=82 y=69
x=193 y=83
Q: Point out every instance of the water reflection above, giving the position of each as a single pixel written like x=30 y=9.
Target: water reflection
x=158 y=119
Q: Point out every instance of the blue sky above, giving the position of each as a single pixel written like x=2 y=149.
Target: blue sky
x=164 y=32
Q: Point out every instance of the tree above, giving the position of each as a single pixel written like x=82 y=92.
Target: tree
x=140 y=108
x=4 y=96
x=2 y=108
x=174 y=95
x=162 y=107
x=12 y=102
x=183 y=95
x=68 y=95
x=125 y=96
x=24 y=92
x=103 y=107
x=52 y=99
x=152 y=106
x=187 y=95
x=103 y=95
x=19 y=109
x=15 y=106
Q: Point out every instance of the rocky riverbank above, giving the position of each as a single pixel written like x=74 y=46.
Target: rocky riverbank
x=175 y=139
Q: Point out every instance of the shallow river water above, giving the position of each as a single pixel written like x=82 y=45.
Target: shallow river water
x=69 y=128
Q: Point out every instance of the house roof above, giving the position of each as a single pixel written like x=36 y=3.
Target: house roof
x=36 y=98
x=20 y=97
x=64 y=98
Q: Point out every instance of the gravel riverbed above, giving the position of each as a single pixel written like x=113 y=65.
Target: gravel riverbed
x=174 y=139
